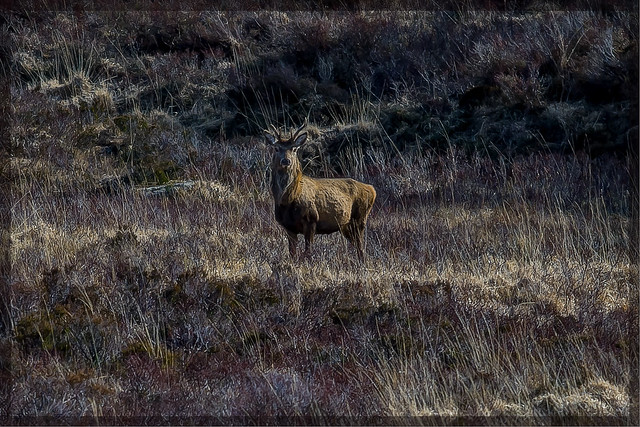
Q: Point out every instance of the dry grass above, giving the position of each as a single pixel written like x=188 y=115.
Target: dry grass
x=150 y=283
x=515 y=305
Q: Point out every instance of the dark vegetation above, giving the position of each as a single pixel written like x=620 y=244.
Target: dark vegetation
x=148 y=277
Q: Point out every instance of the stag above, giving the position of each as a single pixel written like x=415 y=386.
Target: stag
x=310 y=206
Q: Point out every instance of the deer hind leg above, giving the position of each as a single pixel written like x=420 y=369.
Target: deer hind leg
x=359 y=214
x=353 y=231
x=359 y=239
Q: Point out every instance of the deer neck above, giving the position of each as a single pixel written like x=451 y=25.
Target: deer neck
x=286 y=186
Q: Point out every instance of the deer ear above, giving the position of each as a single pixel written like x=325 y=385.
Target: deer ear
x=271 y=140
x=301 y=139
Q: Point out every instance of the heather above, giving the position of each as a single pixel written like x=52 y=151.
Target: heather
x=149 y=281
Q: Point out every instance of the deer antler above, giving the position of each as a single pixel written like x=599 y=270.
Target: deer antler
x=275 y=133
x=297 y=132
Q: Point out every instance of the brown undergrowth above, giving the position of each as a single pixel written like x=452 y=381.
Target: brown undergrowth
x=488 y=295
x=150 y=283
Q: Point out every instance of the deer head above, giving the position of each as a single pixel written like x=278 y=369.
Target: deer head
x=285 y=158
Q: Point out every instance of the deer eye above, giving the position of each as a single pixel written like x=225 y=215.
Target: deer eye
x=285 y=162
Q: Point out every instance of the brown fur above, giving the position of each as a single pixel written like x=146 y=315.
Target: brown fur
x=310 y=206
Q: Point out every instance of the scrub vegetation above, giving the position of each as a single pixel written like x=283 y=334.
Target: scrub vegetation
x=149 y=282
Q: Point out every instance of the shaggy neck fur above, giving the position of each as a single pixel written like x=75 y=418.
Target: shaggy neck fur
x=286 y=185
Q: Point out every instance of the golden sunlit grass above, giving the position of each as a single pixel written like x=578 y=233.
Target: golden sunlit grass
x=150 y=282
x=517 y=307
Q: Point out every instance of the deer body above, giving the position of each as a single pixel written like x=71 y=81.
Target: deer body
x=310 y=206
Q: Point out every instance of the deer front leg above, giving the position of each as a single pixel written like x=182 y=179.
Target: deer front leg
x=293 y=242
x=309 y=231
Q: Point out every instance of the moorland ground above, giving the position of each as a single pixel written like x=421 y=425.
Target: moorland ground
x=147 y=278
